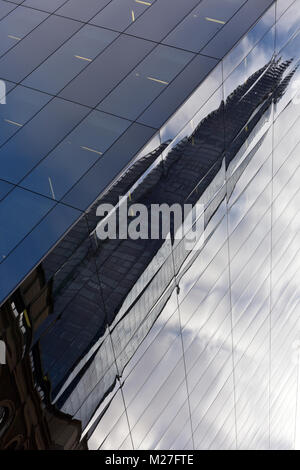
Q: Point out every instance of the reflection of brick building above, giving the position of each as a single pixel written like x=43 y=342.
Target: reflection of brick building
x=25 y=422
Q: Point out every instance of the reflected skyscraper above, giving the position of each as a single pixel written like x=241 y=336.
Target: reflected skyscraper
x=148 y=344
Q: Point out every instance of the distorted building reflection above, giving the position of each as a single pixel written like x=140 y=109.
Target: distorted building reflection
x=143 y=343
x=25 y=421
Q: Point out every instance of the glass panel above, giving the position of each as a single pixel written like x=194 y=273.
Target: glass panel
x=232 y=31
x=204 y=22
x=255 y=62
x=36 y=47
x=17 y=25
x=146 y=82
x=5 y=8
x=35 y=245
x=248 y=42
x=44 y=4
x=75 y=9
x=58 y=172
x=160 y=19
x=119 y=14
x=75 y=55
x=282 y=6
x=111 y=433
x=51 y=124
x=21 y=105
x=290 y=57
x=112 y=66
x=20 y=211
x=4 y=188
x=106 y=169
x=287 y=25
x=172 y=98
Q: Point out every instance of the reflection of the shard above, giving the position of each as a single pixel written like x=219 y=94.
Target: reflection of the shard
x=256 y=305
x=135 y=401
x=181 y=348
x=144 y=336
x=247 y=44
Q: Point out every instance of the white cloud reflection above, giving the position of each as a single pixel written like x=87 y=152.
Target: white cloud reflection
x=239 y=358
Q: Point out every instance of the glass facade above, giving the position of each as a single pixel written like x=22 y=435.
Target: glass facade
x=150 y=344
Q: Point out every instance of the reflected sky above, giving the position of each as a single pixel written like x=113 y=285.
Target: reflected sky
x=206 y=337
x=140 y=80
x=147 y=344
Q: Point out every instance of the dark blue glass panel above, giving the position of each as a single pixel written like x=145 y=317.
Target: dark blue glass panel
x=146 y=82
x=58 y=172
x=78 y=10
x=161 y=18
x=119 y=14
x=5 y=88
x=235 y=28
x=20 y=211
x=35 y=246
x=107 y=70
x=15 y=26
x=33 y=141
x=44 y=5
x=36 y=47
x=202 y=24
x=5 y=188
x=76 y=54
x=107 y=168
x=21 y=105
x=178 y=91
x=5 y=8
